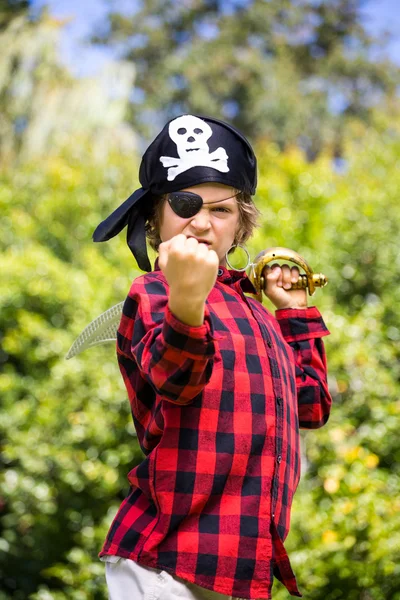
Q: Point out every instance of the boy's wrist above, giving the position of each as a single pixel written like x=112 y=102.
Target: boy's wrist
x=187 y=310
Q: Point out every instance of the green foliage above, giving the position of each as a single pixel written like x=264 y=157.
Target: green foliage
x=273 y=68
x=9 y=9
x=67 y=441
x=66 y=437
x=66 y=433
x=345 y=541
x=42 y=107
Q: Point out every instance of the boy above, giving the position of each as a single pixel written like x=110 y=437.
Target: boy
x=218 y=386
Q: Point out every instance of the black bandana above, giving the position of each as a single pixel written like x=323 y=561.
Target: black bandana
x=189 y=150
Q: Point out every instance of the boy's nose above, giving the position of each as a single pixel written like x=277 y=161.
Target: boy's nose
x=201 y=220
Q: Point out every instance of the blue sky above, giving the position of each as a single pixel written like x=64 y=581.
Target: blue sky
x=380 y=15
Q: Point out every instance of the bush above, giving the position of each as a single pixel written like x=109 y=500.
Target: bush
x=66 y=431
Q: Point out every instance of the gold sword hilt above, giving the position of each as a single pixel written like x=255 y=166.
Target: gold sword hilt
x=307 y=280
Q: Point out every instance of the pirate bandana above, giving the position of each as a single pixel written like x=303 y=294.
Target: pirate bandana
x=190 y=150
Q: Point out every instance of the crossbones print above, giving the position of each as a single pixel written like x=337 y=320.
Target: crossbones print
x=190 y=135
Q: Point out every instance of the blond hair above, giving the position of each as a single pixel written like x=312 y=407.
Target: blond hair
x=248 y=219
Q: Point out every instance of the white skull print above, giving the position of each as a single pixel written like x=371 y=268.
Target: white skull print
x=191 y=135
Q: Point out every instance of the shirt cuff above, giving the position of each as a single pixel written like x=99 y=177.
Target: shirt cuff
x=194 y=342
x=299 y=324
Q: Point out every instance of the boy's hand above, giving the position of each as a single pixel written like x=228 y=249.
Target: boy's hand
x=191 y=270
x=278 y=283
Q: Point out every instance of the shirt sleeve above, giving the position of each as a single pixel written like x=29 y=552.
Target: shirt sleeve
x=303 y=329
x=175 y=359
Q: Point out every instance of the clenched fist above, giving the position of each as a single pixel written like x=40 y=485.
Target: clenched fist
x=191 y=270
x=278 y=287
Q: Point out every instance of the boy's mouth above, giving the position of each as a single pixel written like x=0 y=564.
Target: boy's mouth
x=200 y=240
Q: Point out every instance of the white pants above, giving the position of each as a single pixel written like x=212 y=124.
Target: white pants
x=127 y=580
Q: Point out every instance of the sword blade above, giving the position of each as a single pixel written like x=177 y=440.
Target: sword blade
x=101 y=330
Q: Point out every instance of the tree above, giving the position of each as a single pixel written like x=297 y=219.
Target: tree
x=43 y=108
x=10 y=9
x=61 y=473
x=66 y=435
x=272 y=68
x=345 y=540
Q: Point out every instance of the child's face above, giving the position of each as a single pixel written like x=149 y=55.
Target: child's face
x=215 y=224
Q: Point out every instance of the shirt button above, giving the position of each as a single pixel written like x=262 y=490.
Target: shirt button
x=269 y=343
x=279 y=400
x=220 y=272
x=279 y=459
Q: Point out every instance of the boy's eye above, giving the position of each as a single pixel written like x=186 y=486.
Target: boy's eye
x=221 y=209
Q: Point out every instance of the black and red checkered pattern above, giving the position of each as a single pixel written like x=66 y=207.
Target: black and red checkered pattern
x=217 y=410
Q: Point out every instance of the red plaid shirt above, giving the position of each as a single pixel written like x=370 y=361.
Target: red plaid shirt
x=217 y=410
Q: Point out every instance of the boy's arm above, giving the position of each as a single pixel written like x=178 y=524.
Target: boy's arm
x=175 y=358
x=303 y=330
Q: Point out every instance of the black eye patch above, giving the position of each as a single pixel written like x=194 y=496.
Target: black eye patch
x=185 y=204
